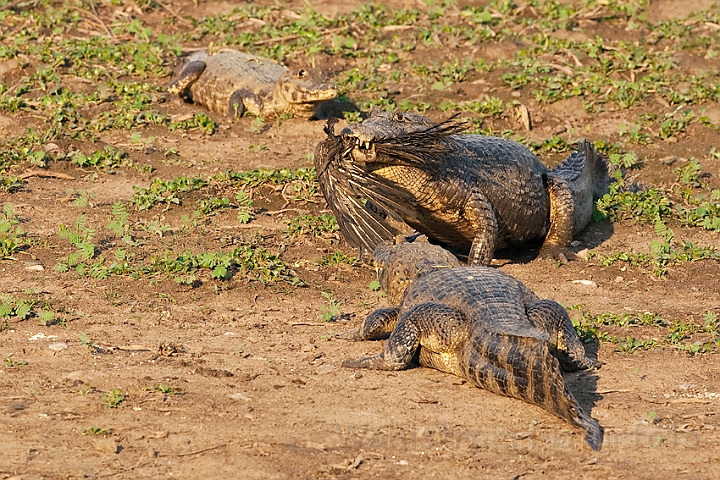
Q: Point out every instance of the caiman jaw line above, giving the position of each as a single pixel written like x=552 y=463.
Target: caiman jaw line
x=362 y=151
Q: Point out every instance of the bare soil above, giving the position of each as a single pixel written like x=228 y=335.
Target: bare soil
x=259 y=388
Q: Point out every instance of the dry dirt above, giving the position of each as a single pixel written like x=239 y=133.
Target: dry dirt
x=260 y=390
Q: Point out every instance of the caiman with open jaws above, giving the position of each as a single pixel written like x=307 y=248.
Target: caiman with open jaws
x=471 y=193
x=478 y=323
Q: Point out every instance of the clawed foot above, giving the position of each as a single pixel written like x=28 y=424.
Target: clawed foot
x=376 y=362
x=558 y=253
x=352 y=335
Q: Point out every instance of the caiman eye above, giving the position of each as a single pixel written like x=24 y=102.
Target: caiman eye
x=399 y=117
x=302 y=73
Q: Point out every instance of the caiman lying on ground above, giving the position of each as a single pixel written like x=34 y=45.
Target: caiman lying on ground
x=478 y=323
x=231 y=82
x=468 y=192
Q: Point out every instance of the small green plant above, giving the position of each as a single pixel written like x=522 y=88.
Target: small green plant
x=323 y=226
x=83 y=198
x=336 y=258
x=652 y=417
x=12 y=363
x=109 y=158
x=95 y=431
x=210 y=206
x=258 y=125
x=199 y=121
x=119 y=224
x=374 y=286
x=11 y=306
x=113 y=399
x=10 y=233
x=156 y=228
x=330 y=311
x=244 y=203
x=81 y=238
x=85 y=340
x=164 y=389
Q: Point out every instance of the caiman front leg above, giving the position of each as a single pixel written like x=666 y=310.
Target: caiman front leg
x=481 y=215
x=562 y=209
x=440 y=330
x=244 y=99
x=564 y=342
x=189 y=75
x=376 y=326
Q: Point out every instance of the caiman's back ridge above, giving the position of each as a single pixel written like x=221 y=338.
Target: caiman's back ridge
x=232 y=82
x=471 y=192
x=478 y=323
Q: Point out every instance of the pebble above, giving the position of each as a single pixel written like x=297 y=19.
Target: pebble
x=58 y=347
x=240 y=396
x=584 y=253
x=619 y=279
x=106 y=445
x=588 y=283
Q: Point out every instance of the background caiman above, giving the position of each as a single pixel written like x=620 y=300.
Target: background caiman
x=232 y=82
x=469 y=192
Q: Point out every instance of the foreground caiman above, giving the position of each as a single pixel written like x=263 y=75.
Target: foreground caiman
x=232 y=82
x=464 y=191
x=478 y=323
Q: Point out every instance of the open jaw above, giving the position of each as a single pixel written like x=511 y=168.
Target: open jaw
x=362 y=151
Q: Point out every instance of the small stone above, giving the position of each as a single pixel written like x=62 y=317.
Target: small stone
x=584 y=253
x=575 y=243
x=240 y=396
x=619 y=279
x=668 y=160
x=106 y=445
x=34 y=267
x=588 y=283
x=58 y=347
x=515 y=94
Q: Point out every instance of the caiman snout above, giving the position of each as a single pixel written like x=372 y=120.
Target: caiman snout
x=360 y=145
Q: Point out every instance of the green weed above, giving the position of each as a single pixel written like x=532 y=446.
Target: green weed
x=330 y=311
x=113 y=399
x=323 y=226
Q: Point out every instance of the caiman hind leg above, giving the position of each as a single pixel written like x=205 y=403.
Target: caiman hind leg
x=376 y=326
x=562 y=209
x=565 y=344
x=189 y=75
x=437 y=328
x=481 y=215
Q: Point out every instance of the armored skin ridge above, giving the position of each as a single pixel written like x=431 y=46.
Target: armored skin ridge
x=233 y=82
x=471 y=193
x=478 y=323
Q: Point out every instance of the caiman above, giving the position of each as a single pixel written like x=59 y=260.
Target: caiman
x=232 y=82
x=478 y=323
x=472 y=193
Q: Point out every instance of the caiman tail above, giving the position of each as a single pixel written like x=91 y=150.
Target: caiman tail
x=586 y=173
x=523 y=368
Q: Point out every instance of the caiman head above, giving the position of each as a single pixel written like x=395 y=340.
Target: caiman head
x=399 y=263
x=303 y=91
x=348 y=167
x=398 y=138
